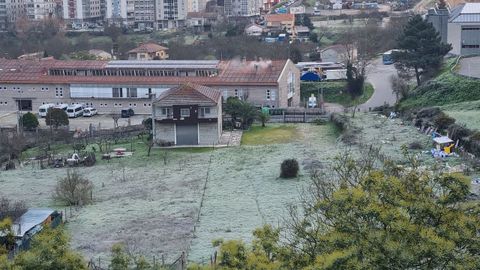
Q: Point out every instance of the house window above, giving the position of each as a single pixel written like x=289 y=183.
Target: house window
x=167 y=112
x=58 y=92
x=117 y=92
x=268 y=95
x=236 y=92
x=185 y=112
x=272 y=95
x=132 y=92
x=204 y=111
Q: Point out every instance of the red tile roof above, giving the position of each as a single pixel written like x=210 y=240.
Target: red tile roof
x=189 y=93
x=279 y=17
x=232 y=72
x=148 y=47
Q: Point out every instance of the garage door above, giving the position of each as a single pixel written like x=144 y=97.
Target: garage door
x=187 y=134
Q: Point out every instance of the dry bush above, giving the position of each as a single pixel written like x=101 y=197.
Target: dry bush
x=74 y=189
x=415 y=145
x=443 y=121
x=11 y=209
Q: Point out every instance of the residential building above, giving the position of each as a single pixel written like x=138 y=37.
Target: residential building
x=188 y=114
x=269 y=4
x=201 y=21
x=463 y=29
x=112 y=85
x=3 y=15
x=144 y=14
x=148 y=51
x=170 y=13
x=242 y=8
x=254 y=30
x=100 y=54
x=16 y=9
x=196 y=5
x=284 y=22
x=41 y=9
x=81 y=11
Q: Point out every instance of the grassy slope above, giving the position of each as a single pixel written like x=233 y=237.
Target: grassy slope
x=334 y=92
x=447 y=88
x=271 y=134
x=466 y=113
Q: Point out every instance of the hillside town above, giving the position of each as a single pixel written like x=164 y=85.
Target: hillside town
x=239 y=134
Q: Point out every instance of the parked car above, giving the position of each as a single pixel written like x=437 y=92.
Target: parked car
x=61 y=107
x=126 y=113
x=89 y=112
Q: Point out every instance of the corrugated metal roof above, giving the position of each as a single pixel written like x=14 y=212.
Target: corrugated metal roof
x=466 y=13
x=30 y=219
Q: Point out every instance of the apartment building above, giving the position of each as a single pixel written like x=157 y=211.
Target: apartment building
x=3 y=15
x=80 y=11
x=243 y=8
x=41 y=9
x=112 y=85
x=171 y=13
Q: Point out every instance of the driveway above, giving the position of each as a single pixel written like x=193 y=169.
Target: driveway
x=378 y=75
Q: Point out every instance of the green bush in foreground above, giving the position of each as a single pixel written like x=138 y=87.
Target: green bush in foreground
x=388 y=217
x=289 y=168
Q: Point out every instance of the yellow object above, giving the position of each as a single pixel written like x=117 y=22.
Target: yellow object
x=448 y=149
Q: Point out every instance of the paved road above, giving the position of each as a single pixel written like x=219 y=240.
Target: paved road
x=378 y=75
x=470 y=66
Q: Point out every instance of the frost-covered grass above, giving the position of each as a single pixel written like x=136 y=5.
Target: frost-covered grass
x=466 y=113
x=271 y=134
x=153 y=207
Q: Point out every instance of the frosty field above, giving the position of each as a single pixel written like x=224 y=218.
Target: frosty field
x=153 y=207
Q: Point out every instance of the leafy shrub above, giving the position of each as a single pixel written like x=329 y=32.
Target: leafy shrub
x=428 y=112
x=415 y=145
x=29 y=121
x=443 y=121
x=289 y=168
x=320 y=122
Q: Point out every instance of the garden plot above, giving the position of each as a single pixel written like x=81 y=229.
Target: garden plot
x=244 y=191
x=150 y=207
x=154 y=208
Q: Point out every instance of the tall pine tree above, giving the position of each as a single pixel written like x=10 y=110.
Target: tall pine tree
x=420 y=47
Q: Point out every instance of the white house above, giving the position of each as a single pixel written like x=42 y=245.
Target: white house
x=254 y=30
x=464 y=29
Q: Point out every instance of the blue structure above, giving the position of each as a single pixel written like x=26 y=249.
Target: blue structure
x=310 y=77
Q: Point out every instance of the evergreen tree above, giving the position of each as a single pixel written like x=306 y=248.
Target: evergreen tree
x=56 y=117
x=29 y=121
x=420 y=47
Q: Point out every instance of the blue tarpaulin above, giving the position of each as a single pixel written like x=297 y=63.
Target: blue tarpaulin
x=310 y=77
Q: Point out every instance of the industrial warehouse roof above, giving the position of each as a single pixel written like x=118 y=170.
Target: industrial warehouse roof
x=164 y=64
x=232 y=72
x=466 y=13
x=30 y=219
x=189 y=93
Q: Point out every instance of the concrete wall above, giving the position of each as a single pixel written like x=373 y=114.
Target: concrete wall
x=208 y=133
x=456 y=36
x=165 y=132
x=289 y=80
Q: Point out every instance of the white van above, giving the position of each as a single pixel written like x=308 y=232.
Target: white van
x=43 y=109
x=88 y=112
x=61 y=107
x=75 y=110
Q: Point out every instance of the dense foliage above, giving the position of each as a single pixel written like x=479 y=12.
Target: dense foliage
x=48 y=250
x=370 y=217
x=420 y=47
x=29 y=121
x=56 y=117
x=289 y=168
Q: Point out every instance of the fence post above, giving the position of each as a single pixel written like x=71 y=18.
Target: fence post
x=305 y=116
x=283 y=114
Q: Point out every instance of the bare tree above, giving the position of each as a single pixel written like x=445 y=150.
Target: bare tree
x=74 y=189
x=11 y=209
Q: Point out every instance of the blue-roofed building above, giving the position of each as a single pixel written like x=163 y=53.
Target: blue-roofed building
x=464 y=29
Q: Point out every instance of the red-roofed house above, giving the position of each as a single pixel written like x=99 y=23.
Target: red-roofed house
x=189 y=114
x=148 y=51
x=281 y=21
